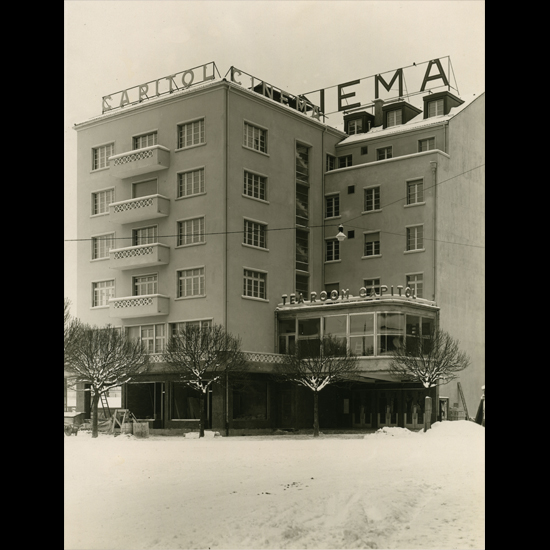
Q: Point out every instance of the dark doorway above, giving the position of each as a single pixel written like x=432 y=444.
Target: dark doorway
x=146 y=401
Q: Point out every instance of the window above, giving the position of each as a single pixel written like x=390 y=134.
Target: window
x=415 y=237
x=101 y=201
x=287 y=335
x=100 y=156
x=426 y=144
x=255 y=138
x=364 y=150
x=351 y=189
x=351 y=234
x=144 y=285
x=309 y=336
x=384 y=153
x=176 y=328
x=302 y=204
x=415 y=191
x=332 y=204
x=191 y=133
x=254 y=284
x=332 y=250
x=391 y=329
x=393 y=118
x=190 y=232
x=255 y=186
x=361 y=334
x=330 y=163
x=344 y=161
x=435 y=108
x=355 y=126
x=416 y=284
x=184 y=402
x=153 y=337
x=372 y=244
x=191 y=183
x=372 y=285
x=144 y=235
x=302 y=164
x=144 y=188
x=336 y=326
x=302 y=250
x=101 y=246
x=372 y=199
x=418 y=330
x=145 y=140
x=250 y=400
x=255 y=234
x=329 y=287
x=302 y=284
x=191 y=282
x=102 y=292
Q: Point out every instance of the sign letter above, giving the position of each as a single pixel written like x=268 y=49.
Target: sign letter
x=143 y=92
x=351 y=94
x=184 y=82
x=106 y=106
x=379 y=78
x=124 y=98
x=441 y=74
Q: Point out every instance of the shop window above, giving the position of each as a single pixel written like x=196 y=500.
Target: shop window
x=287 y=336
x=309 y=336
x=391 y=330
x=250 y=400
x=184 y=402
x=336 y=326
x=361 y=331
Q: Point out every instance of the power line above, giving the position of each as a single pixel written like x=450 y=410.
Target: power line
x=347 y=222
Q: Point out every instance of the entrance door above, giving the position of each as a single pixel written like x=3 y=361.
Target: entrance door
x=362 y=409
x=146 y=401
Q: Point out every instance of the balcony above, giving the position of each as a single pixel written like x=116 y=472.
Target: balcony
x=139 y=161
x=139 y=306
x=140 y=209
x=145 y=255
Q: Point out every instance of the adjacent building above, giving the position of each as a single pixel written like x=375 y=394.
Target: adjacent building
x=220 y=204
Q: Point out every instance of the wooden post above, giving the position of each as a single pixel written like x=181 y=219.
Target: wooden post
x=427 y=413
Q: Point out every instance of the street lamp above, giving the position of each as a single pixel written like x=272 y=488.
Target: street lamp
x=340 y=235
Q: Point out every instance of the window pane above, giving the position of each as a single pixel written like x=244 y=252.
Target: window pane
x=308 y=327
x=335 y=325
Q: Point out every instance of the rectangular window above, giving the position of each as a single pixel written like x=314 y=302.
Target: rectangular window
x=255 y=138
x=344 y=161
x=101 y=292
x=101 y=201
x=302 y=284
x=191 y=133
x=336 y=326
x=309 y=336
x=144 y=285
x=254 y=284
x=191 y=183
x=287 y=335
x=302 y=250
x=372 y=199
x=332 y=250
x=184 y=402
x=100 y=156
x=372 y=284
x=180 y=327
x=191 y=282
x=255 y=234
x=361 y=334
x=152 y=336
x=391 y=330
x=101 y=246
x=364 y=150
x=418 y=330
x=302 y=205
x=415 y=191
x=146 y=140
x=250 y=400
x=144 y=188
x=302 y=164
x=144 y=235
x=426 y=144
x=355 y=126
x=435 y=108
x=416 y=284
x=384 y=153
x=190 y=232
x=372 y=244
x=330 y=163
x=255 y=186
x=332 y=205
x=415 y=237
x=393 y=118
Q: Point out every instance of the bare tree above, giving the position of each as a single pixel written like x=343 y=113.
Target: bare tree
x=203 y=356
x=432 y=359
x=104 y=357
x=317 y=365
x=71 y=329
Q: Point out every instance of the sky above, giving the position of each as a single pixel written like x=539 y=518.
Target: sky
x=298 y=46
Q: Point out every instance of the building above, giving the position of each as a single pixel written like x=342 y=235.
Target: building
x=219 y=203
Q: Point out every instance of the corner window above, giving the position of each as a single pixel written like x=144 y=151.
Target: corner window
x=255 y=138
x=100 y=156
x=191 y=133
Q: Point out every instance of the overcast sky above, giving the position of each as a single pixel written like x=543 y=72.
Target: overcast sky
x=297 y=46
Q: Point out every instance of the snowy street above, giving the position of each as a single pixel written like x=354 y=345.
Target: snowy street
x=393 y=489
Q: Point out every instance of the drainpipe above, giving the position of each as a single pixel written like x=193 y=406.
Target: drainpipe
x=433 y=165
x=323 y=155
x=226 y=252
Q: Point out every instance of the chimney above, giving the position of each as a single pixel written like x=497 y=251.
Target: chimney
x=378 y=115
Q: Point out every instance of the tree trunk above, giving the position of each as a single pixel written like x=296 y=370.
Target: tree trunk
x=427 y=413
x=201 y=415
x=315 y=414
x=95 y=401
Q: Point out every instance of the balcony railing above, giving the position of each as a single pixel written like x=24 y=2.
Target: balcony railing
x=140 y=209
x=139 y=306
x=145 y=255
x=140 y=161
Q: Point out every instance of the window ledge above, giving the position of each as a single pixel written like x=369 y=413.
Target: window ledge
x=371 y=211
x=332 y=261
x=255 y=150
x=189 y=297
x=373 y=256
x=333 y=217
x=99 y=259
x=99 y=169
x=414 y=204
x=253 y=298
x=254 y=198
x=255 y=247
x=189 y=147
x=99 y=307
x=413 y=251
x=99 y=215
x=190 y=244
x=190 y=196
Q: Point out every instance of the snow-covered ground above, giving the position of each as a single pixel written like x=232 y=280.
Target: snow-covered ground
x=389 y=489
